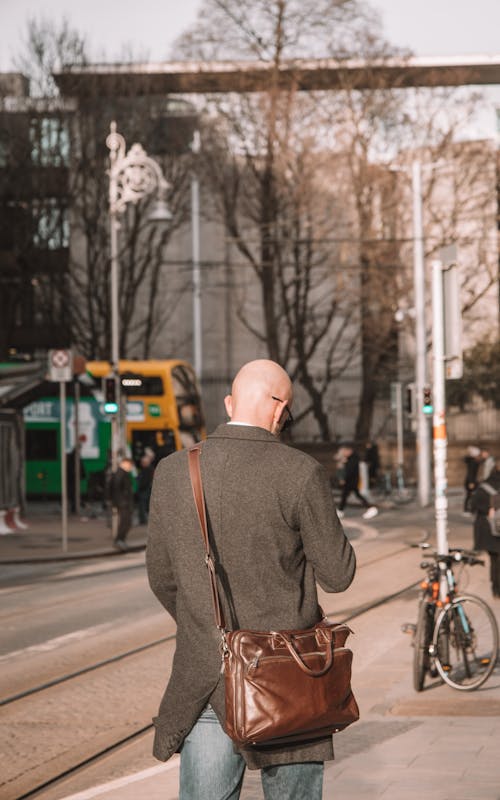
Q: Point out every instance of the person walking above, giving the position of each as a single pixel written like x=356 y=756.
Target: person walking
x=487 y=465
x=122 y=498
x=274 y=533
x=144 y=485
x=350 y=482
x=472 y=461
x=484 y=501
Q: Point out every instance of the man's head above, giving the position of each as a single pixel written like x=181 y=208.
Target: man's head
x=261 y=395
x=126 y=464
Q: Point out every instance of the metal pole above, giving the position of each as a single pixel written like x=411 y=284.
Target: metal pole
x=77 y=470
x=195 y=232
x=399 y=433
x=64 y=475
x=439 y=413
x=115 y=420
x=423 y=438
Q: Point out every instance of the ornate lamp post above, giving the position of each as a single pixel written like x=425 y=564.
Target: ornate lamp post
x=132 y=176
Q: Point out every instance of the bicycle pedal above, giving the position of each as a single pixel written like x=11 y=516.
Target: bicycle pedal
x=409 y=627
x=446 y=667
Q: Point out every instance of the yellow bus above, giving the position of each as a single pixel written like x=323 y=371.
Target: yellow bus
x=163 y=404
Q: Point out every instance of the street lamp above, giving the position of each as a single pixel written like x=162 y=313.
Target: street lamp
x=132 y=176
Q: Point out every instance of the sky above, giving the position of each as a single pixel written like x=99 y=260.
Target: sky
x=428 y=27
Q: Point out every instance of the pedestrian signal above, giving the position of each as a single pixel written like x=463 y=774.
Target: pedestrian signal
x=427 y=406
x=110 y=399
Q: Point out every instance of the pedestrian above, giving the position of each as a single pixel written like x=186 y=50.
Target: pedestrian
x=122 y=498
x=274 y=532
x=487 y=465
x=71 y=478
x=372 y=458
x=350 y=483
x=144 y=484
x=472 y=461
x=485 y=500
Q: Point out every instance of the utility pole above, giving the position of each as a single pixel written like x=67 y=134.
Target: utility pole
x=423 y=437
x=439 y=405
x=196 y=274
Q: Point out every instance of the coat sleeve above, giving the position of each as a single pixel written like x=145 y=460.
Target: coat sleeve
x=159 y=567
x=481 y=501
x=325 y=544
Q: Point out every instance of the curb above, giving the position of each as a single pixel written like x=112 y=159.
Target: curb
x=133 y=548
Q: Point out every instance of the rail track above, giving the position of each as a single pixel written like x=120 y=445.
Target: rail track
x=46 y=779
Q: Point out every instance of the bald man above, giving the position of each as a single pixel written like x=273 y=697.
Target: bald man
x=274 y=533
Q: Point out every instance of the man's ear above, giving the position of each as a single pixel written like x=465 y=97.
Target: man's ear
x=228 y=402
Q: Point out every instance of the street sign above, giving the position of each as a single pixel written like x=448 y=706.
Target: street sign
x=60 y=366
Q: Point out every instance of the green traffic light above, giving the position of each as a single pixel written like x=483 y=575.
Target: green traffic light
x=111 y=408
x=427 y=409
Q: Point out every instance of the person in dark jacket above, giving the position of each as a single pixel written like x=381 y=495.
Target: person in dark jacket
x=274 y=529
x=472 y=461
x=350 y=482
x=122 y=498
x=484 y=501
x=144 y=484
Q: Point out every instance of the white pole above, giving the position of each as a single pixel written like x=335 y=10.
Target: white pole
x=64 y=475
x=423 y=438
x=399 y=432
x=439 y=405
x=77 y=464
x=115 y=357
x=196 y=274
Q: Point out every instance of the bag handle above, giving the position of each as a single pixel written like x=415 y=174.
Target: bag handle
x=315 y=673
x=197 y=487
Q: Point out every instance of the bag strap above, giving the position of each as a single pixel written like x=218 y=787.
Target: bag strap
x=197 y=487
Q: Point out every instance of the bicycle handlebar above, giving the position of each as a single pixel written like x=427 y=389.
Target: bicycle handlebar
x=456 y=555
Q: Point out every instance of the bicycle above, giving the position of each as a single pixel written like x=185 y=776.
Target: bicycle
x=456 y=635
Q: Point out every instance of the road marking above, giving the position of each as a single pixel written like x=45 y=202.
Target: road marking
x=59 y=641
x=104 y=788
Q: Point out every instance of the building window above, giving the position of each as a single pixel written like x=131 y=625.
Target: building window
x=4 y=149
x=49 y=139
x=50 y=224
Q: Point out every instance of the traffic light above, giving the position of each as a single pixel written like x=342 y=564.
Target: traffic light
x=110 y=398
x=427 y=406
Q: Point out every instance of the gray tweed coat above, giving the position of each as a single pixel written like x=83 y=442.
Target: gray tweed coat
x=274 y=532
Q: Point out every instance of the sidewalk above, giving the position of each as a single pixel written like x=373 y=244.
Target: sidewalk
x=88 y=537
x=441 y=743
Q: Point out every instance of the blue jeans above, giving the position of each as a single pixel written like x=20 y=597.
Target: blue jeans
x=211 y=770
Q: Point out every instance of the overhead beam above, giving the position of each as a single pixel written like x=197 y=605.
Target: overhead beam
x=197 y=77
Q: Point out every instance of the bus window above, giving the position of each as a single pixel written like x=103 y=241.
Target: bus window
x=162 y=442
x=142 y=385
x=41 y=445
x=187 y=398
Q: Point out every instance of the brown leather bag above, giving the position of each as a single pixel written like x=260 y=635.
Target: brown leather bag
x=281 y=686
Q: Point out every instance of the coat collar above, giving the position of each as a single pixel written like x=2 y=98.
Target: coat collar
x=246 y=432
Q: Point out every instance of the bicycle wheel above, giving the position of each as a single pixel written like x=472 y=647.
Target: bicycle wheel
x=421 y=642
x=465 y=643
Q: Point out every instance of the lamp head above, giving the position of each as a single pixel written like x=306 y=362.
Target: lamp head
x=160 y=212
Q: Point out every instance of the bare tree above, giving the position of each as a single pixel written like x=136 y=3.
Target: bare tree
x=275 y=214
x=277 y=209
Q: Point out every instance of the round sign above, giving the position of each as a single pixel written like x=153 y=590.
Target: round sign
x=60 y=358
